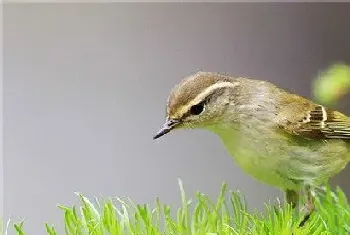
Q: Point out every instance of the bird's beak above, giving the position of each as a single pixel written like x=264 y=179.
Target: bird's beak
x=167 y=127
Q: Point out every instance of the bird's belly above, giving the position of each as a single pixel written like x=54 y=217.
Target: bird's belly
x=262 y=167
x=284 y=164
x=258 y=160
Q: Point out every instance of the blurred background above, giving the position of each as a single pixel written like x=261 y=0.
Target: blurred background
x=85 y=87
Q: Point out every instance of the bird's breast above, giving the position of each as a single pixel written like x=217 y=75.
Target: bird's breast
x=255 y=153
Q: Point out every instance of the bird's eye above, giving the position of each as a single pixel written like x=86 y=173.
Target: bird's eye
x=197 y=109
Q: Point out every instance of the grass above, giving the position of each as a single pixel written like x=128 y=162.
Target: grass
x=202 y=216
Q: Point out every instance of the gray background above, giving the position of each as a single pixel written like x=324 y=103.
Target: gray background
x=86 y=84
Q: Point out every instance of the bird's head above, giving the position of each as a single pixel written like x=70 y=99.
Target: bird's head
x=199 y=101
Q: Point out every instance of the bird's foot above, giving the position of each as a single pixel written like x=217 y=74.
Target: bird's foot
x=308 y=208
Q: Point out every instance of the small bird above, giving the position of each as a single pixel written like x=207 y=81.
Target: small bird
x=279 y=138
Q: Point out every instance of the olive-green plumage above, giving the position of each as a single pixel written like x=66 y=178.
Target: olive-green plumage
x=279 y=138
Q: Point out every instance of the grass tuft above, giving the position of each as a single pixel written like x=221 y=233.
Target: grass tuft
x=228 y=215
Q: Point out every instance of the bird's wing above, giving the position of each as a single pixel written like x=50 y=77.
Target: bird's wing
x=317 y=122
x=301 y=117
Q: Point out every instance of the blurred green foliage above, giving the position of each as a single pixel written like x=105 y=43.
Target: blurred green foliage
x=332 y=84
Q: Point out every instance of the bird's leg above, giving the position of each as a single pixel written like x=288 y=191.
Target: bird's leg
x=292 y=197
x=309 y=205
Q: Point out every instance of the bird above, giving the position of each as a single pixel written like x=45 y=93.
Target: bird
x=277 y=137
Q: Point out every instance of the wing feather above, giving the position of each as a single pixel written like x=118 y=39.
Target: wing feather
x=300 y=116
x=321 y=123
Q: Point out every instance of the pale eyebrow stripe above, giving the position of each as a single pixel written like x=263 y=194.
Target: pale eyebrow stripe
x=204 y=94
